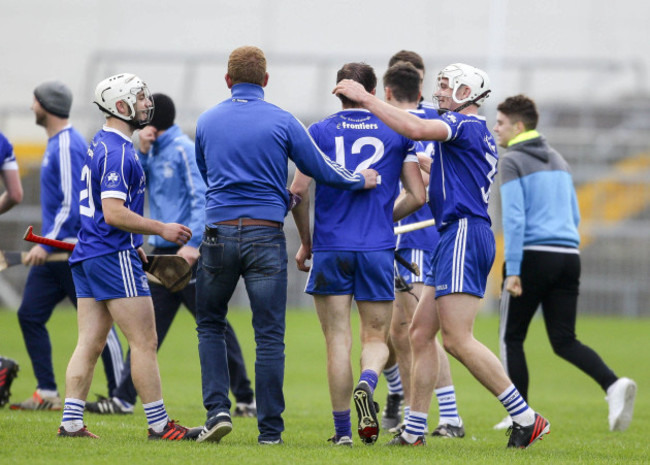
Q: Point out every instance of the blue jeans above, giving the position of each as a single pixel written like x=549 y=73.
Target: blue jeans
x=259 y=254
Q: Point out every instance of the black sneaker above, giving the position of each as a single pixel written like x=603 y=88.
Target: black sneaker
x=367 y=412
x=82 y=433
x=524 y=436
x=392 y=414
x=8 y=372
x=449 y=431
x=398 y=440
x=174 y=432
x=107 y=406
x=216 y=428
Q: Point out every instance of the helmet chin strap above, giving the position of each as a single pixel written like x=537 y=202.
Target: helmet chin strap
x=471 y=102
x=131 y=122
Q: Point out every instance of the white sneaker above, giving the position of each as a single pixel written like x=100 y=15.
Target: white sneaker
x=620 y=397
x=503 y=424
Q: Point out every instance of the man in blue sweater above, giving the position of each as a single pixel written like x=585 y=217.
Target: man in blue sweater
x=243 y=146
x=176 y=195
x=542 y=258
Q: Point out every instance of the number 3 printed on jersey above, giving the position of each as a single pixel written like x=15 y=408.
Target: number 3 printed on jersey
x=356 y=149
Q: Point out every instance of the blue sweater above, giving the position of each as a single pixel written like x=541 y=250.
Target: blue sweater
x=175 y=187
x=538 y=199
x=243 y=146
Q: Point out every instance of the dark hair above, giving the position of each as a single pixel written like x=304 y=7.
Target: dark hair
x=520 y=108
x=404 y=82
x=164 y=112
x=247 y=64
x=407 y=56
x=359 y=72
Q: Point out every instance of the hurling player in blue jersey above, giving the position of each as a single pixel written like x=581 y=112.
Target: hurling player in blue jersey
x=111 y=285
x=49 y=282
x=13 y=193
x=243 y=146
x=353 y=248
x=402 y=83
x=462 y=171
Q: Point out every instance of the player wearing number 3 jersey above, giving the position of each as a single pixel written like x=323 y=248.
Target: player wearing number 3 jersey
x=463 y=169
x=354 y=247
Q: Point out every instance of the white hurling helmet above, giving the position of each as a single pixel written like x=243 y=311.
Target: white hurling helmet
x=125 y=87
x=460 y=74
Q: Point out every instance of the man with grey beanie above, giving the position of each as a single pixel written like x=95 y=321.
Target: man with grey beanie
x=49 y=282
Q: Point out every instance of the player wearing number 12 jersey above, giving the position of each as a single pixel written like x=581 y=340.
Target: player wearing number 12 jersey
x=354 y=246
x=463 y=169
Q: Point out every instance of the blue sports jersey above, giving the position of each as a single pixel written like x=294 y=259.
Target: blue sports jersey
x=7 y=157
x=425 y=238
x=60 y=172
x=463 y=170
x=360 y=220
x=111 y=170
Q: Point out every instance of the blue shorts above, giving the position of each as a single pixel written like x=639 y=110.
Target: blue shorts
x=368 y=276
x=113 y=276
x=422 y=258
x=463 y=258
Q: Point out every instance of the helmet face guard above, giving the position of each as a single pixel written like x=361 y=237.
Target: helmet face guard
x=127 y=88
x=460 y=74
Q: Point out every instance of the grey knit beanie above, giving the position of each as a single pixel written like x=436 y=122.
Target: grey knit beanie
x=55 y=97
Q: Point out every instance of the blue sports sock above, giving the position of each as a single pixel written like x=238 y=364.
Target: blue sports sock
x=394 y=380
x=447 y=406
x=156 y=415
x=517 y=407
x=369 y=377
x=73 y=414
x=342 y=423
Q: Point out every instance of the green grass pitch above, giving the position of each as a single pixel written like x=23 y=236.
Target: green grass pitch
x=573 y=403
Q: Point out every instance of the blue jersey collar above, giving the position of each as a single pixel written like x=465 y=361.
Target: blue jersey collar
x=246 y=91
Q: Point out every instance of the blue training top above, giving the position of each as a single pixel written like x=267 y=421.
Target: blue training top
x=175 y=187
x=243 y=146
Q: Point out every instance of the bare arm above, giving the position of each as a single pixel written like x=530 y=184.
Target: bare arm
x=414 y=193
x=14 y=193
x=300 y=186
x=399 y=120
x=425 y=164
x=118 y=216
